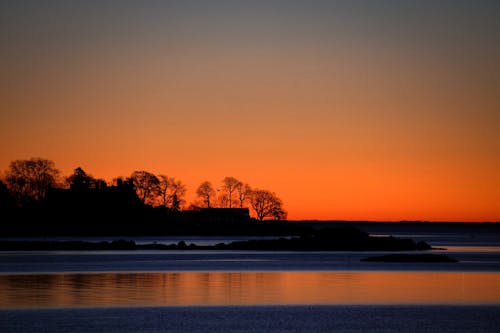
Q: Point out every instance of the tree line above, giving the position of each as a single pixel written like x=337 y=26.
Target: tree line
x=27 y=183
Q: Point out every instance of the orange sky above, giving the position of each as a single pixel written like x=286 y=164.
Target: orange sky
x=372 y=112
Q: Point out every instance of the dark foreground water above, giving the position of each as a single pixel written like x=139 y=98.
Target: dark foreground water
x=250 y=291
x=256 y=319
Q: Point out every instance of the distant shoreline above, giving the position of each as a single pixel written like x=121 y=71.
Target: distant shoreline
x=401 y=225
x=328 y=239
x=392 y=222
x=141 y=228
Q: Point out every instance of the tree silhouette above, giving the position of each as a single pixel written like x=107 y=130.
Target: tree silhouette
x=30 y=180
x=266 y=204
x=206 y=193
x=178 y=192
x=146 y=186
x=243 y=192
x=28 y=192
x=229 y=186
x=163 y=188
x=171 y=192
x=79 y=180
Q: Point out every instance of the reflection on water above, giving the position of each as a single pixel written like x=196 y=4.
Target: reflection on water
x=238 y=288
x=482 y=249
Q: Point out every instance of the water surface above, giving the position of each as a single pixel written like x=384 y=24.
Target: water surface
x=251 y=291
x=141 y=261
x=364 y=318
x=247 y=288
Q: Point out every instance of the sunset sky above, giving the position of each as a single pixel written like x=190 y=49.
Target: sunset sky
x=358 y=110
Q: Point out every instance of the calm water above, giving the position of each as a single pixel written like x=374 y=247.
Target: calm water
x=251 y=291
x=247 y=288
x=347 y=318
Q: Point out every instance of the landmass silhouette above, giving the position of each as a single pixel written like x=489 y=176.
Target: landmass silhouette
x=35 y=202
x=331 y=239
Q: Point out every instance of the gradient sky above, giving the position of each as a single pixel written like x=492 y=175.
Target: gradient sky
x=377 y=110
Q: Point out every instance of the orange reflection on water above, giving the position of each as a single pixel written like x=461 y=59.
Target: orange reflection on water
x=247 y=288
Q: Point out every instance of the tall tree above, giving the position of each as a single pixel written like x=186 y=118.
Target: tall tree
x=266 y=204
x=229 y=186
x=243 y=192
x=171 y=192
x=30 y=180
x=146 y=186
x=206 y=193
x=178 y=193
x=163 y=187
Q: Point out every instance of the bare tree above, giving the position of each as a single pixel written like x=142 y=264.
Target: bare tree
x=243 y=191
x=146 y=186
x=266 y=204
x=279 y=213
x=30 y=180
x=206 y=193
x=177 y=194
x=163 y=187
x=229 y=186
x=172 y=192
